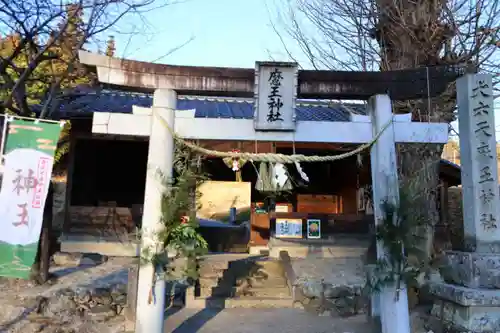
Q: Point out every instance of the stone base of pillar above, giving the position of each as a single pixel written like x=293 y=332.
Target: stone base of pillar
x=469 y=299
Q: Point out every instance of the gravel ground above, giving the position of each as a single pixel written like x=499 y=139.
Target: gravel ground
x=16 y=311
x=13 y=317
x=113 y=271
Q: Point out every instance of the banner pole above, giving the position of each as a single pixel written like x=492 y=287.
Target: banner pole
x=4 y=133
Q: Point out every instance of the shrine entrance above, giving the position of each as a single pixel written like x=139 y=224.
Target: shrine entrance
x=341 y=203
x=276 y=89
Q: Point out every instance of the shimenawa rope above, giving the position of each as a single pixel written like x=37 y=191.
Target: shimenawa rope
x=270 y=157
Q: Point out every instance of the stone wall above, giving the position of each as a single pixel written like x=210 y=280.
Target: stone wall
x=327 y=287
x=329 y=299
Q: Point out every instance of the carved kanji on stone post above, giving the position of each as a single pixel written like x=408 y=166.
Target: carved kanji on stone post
x=469 y=297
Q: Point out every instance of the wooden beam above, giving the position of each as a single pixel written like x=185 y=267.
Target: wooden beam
x=240 y=82
x=266 y=147
x=243 y=146
x=108 y=137
x=314 y=146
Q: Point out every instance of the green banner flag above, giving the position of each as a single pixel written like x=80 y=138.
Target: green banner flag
x=29 y=156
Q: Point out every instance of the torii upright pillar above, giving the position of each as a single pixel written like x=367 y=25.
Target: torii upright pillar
x=151 y=286
x=391 y=304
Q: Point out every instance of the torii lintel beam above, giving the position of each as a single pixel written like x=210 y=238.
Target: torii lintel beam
x=240 y=82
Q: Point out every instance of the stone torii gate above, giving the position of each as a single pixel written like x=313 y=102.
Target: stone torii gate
x=275 y=87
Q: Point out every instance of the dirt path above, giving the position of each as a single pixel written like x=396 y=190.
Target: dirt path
x=260 y=320
x=272 y=321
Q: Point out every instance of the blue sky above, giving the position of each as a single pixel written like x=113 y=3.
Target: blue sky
x=226 y=33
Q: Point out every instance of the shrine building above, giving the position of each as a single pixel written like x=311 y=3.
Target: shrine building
x=274 y=108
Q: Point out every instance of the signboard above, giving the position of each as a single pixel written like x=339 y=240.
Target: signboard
x=313 y=229
x=281 y=208
x=29 y=156
x=275 y=95
x=260 y=208
x=288 y=228
x=218 y=197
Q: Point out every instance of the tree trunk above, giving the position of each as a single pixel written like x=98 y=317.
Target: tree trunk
x=404 y=32
x=419 y=170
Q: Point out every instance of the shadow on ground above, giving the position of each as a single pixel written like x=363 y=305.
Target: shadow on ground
x=261 y=321
x=193 y=323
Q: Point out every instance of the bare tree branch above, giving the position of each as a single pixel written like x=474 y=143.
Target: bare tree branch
x=376 y=35
x=390 y=35
x=40 y=42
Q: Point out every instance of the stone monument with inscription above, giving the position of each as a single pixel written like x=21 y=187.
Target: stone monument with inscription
x=469 y=298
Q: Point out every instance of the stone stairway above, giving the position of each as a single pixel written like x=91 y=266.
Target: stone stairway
x=239 y=281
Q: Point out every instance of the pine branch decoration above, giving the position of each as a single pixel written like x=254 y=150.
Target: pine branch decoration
x=399 y=232
x=179 y=233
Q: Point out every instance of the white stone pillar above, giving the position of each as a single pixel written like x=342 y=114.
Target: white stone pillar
x=478 y=158
x=150 y=316
x=394 y=314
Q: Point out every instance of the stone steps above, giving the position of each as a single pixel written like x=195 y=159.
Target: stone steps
x=219 y=291
x=257 y=282
x=228 y=291
x=226 y=280
x=238 y=282
x=265 y=292
x=213 y=282
x=238 y=302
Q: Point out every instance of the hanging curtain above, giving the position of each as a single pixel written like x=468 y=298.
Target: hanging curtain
x=264 y=179
x=273 y=178
x=282 y=179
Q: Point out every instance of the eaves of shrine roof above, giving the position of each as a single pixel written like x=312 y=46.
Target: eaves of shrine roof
x=212 y=107
x=206 y=107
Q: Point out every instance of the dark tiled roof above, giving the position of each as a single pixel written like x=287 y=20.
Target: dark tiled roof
x=122 y=102
x=205 y=107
